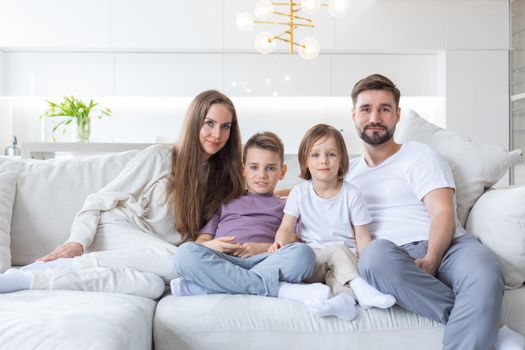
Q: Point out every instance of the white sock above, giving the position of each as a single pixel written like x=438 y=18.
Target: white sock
x=13 y=280
x=342 y=306
x=368 y=296
x=181 y=287
x=303 y=292
x=509 y=339
x=62 y=263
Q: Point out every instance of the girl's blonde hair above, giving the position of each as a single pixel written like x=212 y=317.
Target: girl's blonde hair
x=197 y=188
x=314 y=134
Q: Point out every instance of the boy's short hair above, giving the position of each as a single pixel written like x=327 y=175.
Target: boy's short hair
x=266 y=140
x=314 y=134
x=375 y=82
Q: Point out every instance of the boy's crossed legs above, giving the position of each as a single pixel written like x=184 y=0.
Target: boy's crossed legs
x=206 y=271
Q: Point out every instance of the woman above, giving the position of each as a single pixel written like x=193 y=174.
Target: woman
x=161 y=198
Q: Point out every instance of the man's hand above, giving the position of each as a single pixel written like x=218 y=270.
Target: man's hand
x=275 y=246
x=223 y=244
x=428 y=264
x=250 y=249
x=65 y=250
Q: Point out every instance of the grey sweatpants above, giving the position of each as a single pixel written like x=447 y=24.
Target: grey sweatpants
x=466 y=293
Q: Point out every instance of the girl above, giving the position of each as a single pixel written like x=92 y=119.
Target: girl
x=331 y=217
x=162 y=197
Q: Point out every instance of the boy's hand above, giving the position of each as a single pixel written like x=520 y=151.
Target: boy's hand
x=250 y=249
x=223 y=244
x=275 y=246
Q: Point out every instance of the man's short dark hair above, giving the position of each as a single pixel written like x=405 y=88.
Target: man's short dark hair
x=375 y=82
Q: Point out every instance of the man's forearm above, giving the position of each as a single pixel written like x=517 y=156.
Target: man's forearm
x=440 y=236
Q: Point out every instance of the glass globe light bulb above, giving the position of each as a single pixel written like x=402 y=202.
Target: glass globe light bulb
x=310 y=6
x=338 y=8
x=244 y=21
x=264 y=42
x=263 y=9
x=309 y=48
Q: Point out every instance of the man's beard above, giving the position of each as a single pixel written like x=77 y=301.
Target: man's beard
x=376 y=138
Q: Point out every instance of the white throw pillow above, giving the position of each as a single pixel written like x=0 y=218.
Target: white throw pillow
x=49 y=194
x=7 y=197
x=498 y=220
x=476 y=167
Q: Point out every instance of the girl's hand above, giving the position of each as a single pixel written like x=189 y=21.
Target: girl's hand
x=223 y=244
x=250 y=249
x=275 y=246
x=65 y=250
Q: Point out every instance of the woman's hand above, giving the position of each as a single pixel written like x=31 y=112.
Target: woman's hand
x=65 y=250
x=250 y=249
x=223 y=244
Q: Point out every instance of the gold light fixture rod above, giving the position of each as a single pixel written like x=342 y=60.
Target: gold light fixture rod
x=285 y=23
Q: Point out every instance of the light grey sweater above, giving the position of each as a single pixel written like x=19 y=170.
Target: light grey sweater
x=138 y=193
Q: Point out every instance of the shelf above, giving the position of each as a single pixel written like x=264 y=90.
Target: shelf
x=519 y=32
x=519 y=69
x=517 y=97
x=46 y=150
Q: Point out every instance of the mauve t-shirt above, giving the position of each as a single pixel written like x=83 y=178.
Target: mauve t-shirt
x=250 y=218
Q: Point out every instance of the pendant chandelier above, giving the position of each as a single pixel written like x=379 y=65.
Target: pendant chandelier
x=290 y=15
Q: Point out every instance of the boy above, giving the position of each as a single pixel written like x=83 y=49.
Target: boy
x=230 y=255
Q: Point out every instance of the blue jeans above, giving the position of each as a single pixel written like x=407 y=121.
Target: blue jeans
x=257 y=275
x=466 y=293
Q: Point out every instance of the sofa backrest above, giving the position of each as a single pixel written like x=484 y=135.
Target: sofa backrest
x=49 y=194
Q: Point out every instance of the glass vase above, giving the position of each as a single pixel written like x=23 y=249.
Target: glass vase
x=83 y=129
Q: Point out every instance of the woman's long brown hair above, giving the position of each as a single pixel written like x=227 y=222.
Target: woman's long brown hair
x=197 y=188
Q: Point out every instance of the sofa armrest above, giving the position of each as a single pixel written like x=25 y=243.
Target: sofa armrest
x=498 y=220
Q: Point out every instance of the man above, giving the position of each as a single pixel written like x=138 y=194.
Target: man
x=421 y=255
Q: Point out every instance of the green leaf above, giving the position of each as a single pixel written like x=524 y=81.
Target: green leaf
x=75 y=110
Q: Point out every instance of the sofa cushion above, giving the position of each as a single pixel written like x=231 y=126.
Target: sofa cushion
x=513 y=309
x=53 y=320
x=476 y=167
x=232 y=322
x=7 y=197
x=224 y=321
x=49 y=194
x=498 y=220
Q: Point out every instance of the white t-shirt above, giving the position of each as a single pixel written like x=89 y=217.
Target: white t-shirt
x=394 y=191
x=323 y=222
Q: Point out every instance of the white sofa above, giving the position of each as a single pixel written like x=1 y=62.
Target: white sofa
x=38 y=200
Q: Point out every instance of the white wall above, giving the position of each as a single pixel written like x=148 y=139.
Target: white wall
x=209 y=25
x=132 y=120
x=478 y=94
x=453 y=50
x=178 y=74
x=1 y=73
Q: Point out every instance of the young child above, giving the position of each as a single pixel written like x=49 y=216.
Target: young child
x=330 y=215
x=231 y=253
